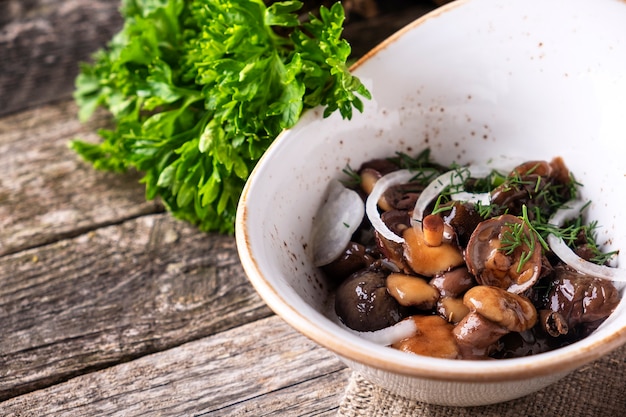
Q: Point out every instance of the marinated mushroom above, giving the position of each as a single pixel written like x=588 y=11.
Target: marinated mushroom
x=452 y=309
x=505 y=253
x=402 y=196
x=463 y=219
x=429 y=260
x=354 y=258
x=494 y=312
x=483 y=285
x=393 y=252
x=412 y=291
x=432 y=338
x=396 y=220
x=526 y=186
x=476 y=336
x=452 y=285
x=363 y=303
x=369 y=177
x=583 y=301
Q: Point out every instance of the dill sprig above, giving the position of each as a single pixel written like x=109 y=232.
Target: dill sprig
x=353 y=179
x=521 y=235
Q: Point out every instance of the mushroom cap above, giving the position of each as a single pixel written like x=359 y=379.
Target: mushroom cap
x=363 y=303
x=453 y=283
x=583 y=301
x=491 y=264
x=429 y=260
x=512 y=311
x=412 y=291
x=476 y=336
x=433 y=338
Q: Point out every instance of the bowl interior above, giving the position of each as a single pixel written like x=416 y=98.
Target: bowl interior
x=479 y=81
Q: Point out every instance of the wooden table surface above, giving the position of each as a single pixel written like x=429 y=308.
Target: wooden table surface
x=108 y=306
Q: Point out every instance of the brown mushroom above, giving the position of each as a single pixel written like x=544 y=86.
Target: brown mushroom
x=463 y=219
x=363 y=303
x=505 y=253
x=354 y=258
x=494 y=312
x=452 y=285
x=412 y=291
x=369 y=178
x=526 y=186
x=396 y=220
x=429 y=260
x=452 y=309
x=393 y=252
x=583 y=301
x=432 y=338
x=402 y=196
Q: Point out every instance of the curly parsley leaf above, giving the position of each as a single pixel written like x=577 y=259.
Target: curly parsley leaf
x=199 y=89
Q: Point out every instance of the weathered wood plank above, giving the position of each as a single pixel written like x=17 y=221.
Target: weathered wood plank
x=42 y=42
x=262 y=368
x=46 y=192
x=318 y=395
x=116 y=293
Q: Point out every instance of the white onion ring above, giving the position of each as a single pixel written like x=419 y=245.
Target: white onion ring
x=454 y=177
x=336 y=222
x=474 y=198
x=389 y=335
x=371 y=204
x=569 y=211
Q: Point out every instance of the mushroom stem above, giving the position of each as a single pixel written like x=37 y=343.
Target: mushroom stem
x=433 y=228
x=552 y=323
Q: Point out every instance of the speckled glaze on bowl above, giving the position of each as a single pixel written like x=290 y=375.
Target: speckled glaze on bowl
x=475 y=80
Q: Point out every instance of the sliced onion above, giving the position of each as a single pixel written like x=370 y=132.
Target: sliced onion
x=474 y=198
x=390 y=335
x=450 y=178
x=570 y=211
x=371 y=205
x=335 y=223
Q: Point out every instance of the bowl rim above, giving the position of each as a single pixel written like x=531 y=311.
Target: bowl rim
x=350 y=347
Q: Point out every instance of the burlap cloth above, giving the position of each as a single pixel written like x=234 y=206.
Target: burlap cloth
x=598 y=389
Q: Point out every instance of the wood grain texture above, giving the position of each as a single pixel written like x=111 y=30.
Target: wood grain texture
x=42 y=42
x=231 y=373
x=113 y=294
x=46 y=192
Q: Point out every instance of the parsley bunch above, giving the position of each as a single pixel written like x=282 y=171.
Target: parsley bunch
x=198 y=90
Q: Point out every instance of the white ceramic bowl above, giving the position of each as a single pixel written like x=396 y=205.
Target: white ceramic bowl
x=474 y=80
